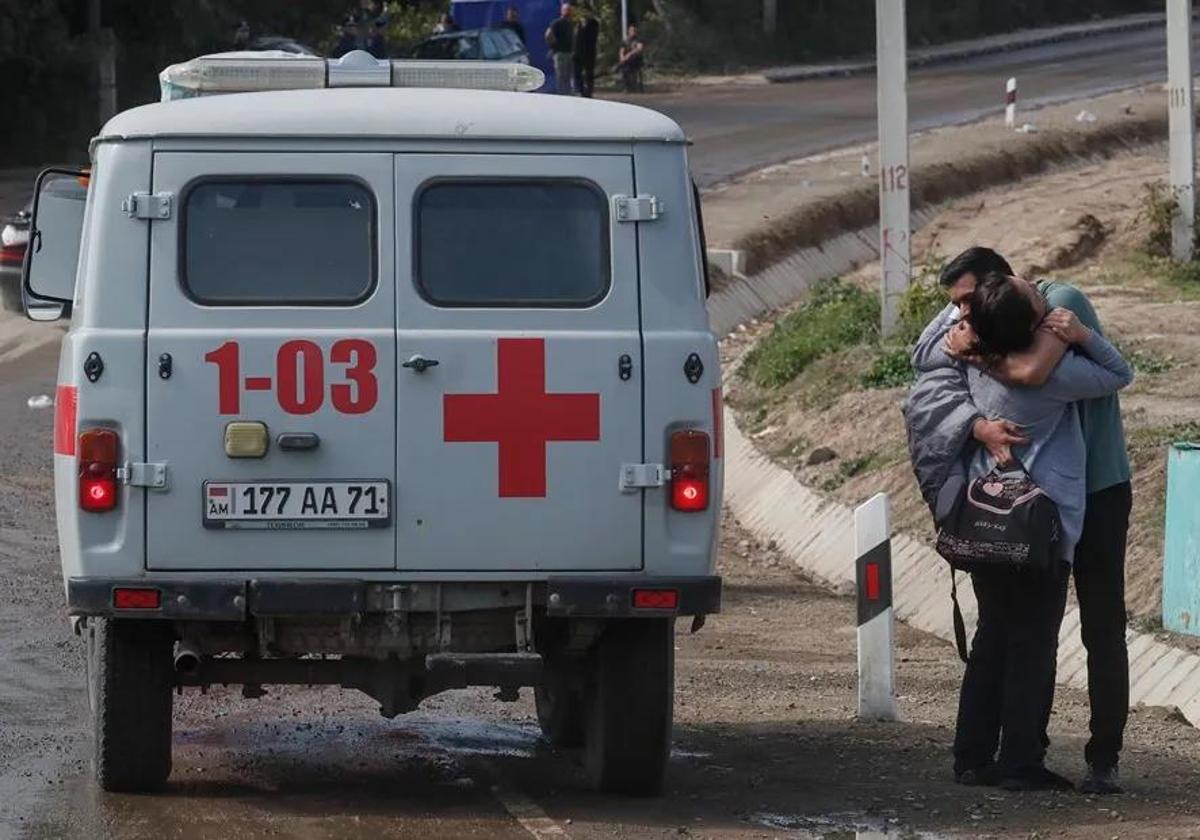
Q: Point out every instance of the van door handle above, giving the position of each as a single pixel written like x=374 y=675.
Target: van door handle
x=419 y=363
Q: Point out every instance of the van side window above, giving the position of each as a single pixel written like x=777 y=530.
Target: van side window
x=292 y=242
x=512 y=243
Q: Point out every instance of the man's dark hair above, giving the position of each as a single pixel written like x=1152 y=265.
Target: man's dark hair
x=1003 y=317
x=976 y=260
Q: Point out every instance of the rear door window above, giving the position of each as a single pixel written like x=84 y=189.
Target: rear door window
x=512 y=243
x=293 y=242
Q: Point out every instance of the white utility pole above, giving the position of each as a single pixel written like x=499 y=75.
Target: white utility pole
x=770 y=17
x=891 y=59
x=1182 y=122
x=624 y=18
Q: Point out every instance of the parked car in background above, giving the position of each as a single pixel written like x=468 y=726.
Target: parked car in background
x=14 y=237
x=474 y=45
x=281 y=43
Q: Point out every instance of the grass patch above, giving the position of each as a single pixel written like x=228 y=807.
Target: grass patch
x=836 y=315
x=890 y=369
x=1153 y=438
x=850 y=468
x=1180 y=279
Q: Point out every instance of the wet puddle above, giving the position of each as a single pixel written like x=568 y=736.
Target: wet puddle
x=841 y=826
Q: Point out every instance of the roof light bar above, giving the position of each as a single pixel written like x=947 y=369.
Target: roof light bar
x=240 y=72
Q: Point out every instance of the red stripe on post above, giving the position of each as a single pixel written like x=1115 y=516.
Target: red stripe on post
x=872 y=581
x=66 y=407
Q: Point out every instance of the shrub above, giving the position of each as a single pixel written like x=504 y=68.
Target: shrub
x=924 y=299
x=835 y=315
x=1158 y=210
x=890 y=369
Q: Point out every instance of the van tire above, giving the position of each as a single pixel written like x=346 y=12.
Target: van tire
x=630 y=707
x=560 y=711
x=130 y=668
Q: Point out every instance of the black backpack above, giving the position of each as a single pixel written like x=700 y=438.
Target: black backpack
x=1001 y=523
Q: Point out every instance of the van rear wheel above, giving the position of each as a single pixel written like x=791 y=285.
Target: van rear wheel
x=130 y=683
x=630 y=707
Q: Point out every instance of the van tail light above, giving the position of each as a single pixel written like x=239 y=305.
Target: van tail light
x=655 y=599
x=12 y=256
x=129 y=598
x=689 y=470
x=97 y=470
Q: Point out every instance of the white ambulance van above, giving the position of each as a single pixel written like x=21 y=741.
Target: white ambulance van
x=382 y=380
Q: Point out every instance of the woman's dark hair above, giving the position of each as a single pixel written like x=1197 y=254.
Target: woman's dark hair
x=1003 y=317
x=976 y=260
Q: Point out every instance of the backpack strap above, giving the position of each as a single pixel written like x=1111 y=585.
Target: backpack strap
x=960 y=626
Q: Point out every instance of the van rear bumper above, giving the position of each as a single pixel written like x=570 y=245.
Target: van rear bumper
x=238 y=599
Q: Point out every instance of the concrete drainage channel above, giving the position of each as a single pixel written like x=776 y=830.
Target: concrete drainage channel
x=817 y=534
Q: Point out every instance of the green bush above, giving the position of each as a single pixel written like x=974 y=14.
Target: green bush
x=409 y=26
x=890 y=369
x=924 y=299
x=1158 y=210
x=835 y=315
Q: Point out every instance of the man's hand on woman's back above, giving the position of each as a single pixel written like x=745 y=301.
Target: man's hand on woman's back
x=998 y=437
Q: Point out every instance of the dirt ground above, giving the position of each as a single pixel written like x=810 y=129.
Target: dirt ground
x=1081 y=226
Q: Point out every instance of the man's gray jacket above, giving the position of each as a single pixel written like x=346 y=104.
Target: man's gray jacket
x=938 y=418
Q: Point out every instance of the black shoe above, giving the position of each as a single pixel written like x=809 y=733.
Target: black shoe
x=1040 y=779
x=987 y=775
x=1101 y=781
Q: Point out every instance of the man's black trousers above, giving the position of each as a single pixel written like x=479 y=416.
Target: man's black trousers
x=1010 y=671
x=585 y=75
x=1100 y=587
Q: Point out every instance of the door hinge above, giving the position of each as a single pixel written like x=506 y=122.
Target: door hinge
x=637 y=208
x=143 y=475
x=635 y=477
x=142 y=205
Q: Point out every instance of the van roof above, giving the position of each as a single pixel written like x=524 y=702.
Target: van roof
x=407 y=113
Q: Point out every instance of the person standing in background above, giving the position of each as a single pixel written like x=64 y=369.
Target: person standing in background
x=376 y=42
x=632 y=57
x=348 y=38
x=560 y=38
x=512 y=20
x=586 y=36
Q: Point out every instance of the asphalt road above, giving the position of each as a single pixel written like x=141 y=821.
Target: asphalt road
x=736 y=130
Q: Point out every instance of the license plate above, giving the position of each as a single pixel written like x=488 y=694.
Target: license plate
x=296 y=505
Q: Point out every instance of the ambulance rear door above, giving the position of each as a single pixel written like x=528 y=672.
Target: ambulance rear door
x=519 y=387
x=271 y=362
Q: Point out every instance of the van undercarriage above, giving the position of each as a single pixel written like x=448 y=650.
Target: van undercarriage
x=599 y=654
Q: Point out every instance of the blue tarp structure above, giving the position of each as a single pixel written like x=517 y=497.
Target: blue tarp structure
x=536 y=15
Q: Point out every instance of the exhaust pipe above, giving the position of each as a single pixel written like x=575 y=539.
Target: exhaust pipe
x=187 y=658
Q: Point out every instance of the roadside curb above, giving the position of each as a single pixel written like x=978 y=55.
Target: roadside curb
x=817 y=534
x=971 y=49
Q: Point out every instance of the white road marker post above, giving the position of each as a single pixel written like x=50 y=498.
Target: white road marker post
x=1010 y=103
x=876 y=620
x=1181 y=117
x=891 y=58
